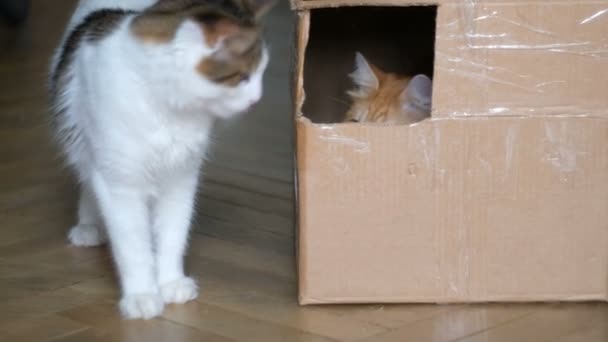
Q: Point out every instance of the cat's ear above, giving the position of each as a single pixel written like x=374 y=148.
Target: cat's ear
x=365 y=74
x=418 y=93
x=260 y=7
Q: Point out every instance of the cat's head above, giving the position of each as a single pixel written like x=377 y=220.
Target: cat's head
x=386 y=97
x=208 y=53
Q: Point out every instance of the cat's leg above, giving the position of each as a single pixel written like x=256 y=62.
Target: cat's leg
x=172 y=215
x=88 y=232
x=126 y=215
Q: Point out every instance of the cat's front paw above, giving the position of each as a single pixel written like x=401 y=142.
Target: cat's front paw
x=86 y=235
x=141 y=306
x=179 y=291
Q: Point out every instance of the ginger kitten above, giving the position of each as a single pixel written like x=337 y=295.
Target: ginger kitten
x=382 y=97
x=136 y=86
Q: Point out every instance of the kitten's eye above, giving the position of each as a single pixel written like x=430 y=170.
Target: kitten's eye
x=234 y=78
x=227 y=78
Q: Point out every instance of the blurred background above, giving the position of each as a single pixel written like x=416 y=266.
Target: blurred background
x=242 y=248
x=244 y=227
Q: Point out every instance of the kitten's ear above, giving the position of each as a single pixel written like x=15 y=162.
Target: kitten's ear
x=418 y=93
x=365 y=74
x=260 y=7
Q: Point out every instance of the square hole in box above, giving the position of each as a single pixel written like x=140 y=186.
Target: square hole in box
x=395 y=40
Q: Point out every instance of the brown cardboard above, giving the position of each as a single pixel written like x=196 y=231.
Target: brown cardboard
x=501 y=196
x=311 y=4
x=541 y=58
x=454 y=210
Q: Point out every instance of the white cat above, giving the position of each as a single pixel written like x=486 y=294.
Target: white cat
x=136 y=86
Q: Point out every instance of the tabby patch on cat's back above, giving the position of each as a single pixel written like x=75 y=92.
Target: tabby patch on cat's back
x=383 y=97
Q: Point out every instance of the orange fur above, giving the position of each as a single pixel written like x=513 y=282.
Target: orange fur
x=381 y=100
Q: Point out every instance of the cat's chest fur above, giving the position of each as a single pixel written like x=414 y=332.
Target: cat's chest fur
x=170 y=143
x=156 y=145
x=177 y=143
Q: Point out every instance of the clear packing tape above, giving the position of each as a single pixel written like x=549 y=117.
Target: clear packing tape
x=522 y=58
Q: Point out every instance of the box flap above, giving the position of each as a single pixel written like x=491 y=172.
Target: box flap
x=308 y=4
x=497 y=59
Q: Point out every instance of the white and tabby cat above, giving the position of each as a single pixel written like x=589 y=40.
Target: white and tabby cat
x=136 y=86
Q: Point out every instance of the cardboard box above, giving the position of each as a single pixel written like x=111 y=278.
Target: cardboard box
x=501 y=196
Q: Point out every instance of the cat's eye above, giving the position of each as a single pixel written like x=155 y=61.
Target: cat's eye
x=233 y=78
x=227 y=78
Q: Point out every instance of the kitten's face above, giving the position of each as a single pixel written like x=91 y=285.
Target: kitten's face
x=382 y=97
x=215 y=48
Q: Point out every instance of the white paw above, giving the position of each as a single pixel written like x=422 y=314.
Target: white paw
x=141 y=306
x=179 y=291
x=86 y=235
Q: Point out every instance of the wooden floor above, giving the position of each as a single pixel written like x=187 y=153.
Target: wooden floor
x=242 y=250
